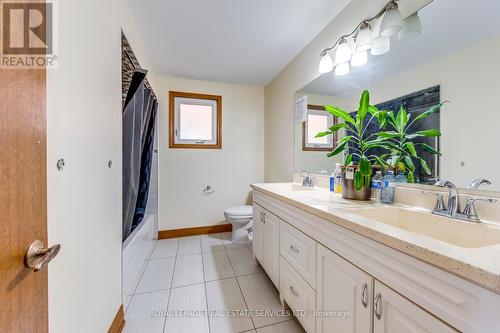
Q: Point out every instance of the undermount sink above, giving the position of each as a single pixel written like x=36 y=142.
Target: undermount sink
x=458 y=233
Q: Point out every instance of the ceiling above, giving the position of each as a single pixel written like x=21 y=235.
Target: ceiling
x=447 y=26
x=245 y=42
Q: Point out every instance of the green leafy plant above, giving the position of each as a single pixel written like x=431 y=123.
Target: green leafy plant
x=401 y=140
x=355 y=130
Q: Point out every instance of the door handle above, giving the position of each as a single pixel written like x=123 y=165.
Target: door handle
x=377 y=306
x=294 y=249
x=364 y=295
x=294 y=292
x=37 y=257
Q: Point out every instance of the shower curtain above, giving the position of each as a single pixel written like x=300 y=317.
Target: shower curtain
x=139 y=114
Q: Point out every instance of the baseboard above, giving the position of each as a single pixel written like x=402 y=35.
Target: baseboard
x=118 y=322
x=211 y=229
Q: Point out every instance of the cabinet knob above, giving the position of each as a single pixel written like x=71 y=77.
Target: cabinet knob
x=294 y=292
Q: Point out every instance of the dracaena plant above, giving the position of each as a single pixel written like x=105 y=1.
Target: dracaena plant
x=401 y=140
x=356 y=133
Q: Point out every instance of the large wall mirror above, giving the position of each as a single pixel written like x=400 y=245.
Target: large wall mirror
x=456 y=58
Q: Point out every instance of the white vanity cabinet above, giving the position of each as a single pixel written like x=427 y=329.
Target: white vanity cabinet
x=343 y=288
x=324 y=268
x=394 y=313
x=266 y=242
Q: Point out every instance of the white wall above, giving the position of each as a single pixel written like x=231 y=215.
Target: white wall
x=469 y=122
x=279 y=94
x=84 y=200
x=183 y=173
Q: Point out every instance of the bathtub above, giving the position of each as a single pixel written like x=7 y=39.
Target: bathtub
x=136 y=249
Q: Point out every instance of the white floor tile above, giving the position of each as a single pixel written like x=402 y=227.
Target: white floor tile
x=228 y=243
x=189 y=245
x=243 y=261
x=211 y=242
x=187 y=310
x=226 y=303
x=146 y=313
x=188 y=270
x=165 y=248
x=290 y=326
x=217 y=265
x=260 y=295
x=157 y=275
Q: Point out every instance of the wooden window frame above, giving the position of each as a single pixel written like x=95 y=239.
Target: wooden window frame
x=335 y=135
x=216 y=98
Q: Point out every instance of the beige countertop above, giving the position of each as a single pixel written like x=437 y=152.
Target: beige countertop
x=480 y=265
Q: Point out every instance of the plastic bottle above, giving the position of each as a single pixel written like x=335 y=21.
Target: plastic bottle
x=377 y=181
x=332 y=182
x=338 y=179
x=401 y=178
x=387 y=192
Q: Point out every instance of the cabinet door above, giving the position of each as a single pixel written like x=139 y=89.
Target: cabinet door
x=258 y=233
x=272 y=246
x=395 y=313
x=342 y=288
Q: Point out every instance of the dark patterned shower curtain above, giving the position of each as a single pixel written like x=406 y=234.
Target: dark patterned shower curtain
x=139 y=115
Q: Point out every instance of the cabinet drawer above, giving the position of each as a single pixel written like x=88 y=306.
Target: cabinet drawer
x=299 y=250
x=299 y=295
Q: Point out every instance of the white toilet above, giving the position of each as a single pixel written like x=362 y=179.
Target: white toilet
x=241 y=219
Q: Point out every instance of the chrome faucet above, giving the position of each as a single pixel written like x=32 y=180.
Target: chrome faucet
x=453 y=197
x=307 y=179
x=452 y=209
x=474 y=185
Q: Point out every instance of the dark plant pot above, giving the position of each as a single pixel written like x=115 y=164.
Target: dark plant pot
x=348 y=191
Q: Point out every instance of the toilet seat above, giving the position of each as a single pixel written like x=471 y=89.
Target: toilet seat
x=239 y=211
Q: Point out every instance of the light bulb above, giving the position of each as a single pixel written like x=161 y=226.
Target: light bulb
x=380 y=45
x=411 y=28
x=359 y=58
x=325 y=64
x=391 y=22
x=343 y=53
x=364 y=38
x=342 y=69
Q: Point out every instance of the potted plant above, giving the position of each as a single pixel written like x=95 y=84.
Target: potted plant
x=401 y=141
x=357 y=169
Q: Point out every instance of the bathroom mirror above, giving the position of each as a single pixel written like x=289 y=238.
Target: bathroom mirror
x=455 y=58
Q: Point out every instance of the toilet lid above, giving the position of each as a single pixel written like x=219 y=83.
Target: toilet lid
x=239 y=211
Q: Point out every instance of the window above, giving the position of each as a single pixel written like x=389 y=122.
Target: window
x=318 y=120
x=195 y=120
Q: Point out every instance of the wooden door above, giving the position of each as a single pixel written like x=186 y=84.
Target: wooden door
x=395 y=313
x=342 y=287
x=23 y=213
x=272 y=247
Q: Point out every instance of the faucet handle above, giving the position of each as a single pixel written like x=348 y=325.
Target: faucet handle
x=440 y=206
x=470 y=208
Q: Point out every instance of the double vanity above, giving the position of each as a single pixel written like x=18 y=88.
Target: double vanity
x=347 y=266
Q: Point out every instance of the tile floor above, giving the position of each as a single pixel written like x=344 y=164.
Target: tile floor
x=204 y=284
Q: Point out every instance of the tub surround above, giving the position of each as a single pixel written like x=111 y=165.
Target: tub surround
x=480 y=265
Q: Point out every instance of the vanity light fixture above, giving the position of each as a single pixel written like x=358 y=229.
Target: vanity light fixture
x=362 y=38
x=381 y=45
x=326 y=64
x=343 y=53
x=392 y=20
x=359 y=58
x=342 y=69
x=412 y=27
